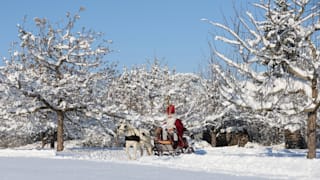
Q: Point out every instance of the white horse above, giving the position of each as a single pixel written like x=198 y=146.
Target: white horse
x=136 y=138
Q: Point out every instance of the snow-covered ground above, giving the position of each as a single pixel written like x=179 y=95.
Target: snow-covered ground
x=250 y=162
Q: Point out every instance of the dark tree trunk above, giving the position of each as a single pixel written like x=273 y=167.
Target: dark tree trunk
x=213 y=139
x=311 y=133
x=60 y=131
x=312 y=121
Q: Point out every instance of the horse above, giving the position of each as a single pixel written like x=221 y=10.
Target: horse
x=136 y=138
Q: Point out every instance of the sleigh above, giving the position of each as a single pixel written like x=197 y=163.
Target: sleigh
x=168 y=146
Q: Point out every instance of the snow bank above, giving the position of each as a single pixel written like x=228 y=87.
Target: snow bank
x=273 y=162
x=27 y=153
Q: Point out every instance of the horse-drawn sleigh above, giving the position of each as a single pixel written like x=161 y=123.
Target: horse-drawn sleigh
x=167 y=140
x=172 y=142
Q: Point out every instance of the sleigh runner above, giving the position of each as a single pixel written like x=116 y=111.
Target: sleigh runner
x=168 y=147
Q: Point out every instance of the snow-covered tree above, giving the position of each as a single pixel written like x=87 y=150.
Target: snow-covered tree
x=143 y=93
x=278 y=60
x=139 y=93
x=57 y=70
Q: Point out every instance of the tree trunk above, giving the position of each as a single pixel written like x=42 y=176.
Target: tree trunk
x=213 y=139
x=311 y=133
x=312 y=121
x=60 y=131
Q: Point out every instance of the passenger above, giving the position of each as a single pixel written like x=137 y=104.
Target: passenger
x=169 y=129
x=171 y=118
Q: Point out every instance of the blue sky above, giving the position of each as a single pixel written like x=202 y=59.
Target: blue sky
x=170 y=30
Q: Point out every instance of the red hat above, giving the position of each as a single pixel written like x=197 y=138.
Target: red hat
x=170 y=109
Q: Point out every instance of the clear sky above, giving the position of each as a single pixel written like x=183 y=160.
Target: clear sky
x=170 y=30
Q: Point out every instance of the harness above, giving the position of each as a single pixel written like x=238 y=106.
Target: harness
x=132 y=137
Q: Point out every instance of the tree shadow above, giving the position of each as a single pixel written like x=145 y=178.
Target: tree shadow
x=200 y=152
x=288 y=152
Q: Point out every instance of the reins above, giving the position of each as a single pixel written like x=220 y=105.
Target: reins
x=130 y=133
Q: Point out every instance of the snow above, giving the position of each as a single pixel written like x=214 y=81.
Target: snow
x=250 y=162
x=293 y=127
x=151 y=87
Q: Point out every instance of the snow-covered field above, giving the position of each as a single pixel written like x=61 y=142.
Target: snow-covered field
x=251 y=162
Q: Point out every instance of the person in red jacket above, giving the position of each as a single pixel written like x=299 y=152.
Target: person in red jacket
x=174 y=127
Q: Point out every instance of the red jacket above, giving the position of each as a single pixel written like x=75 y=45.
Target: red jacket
x=179 y=128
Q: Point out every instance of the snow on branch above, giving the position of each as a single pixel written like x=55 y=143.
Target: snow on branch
x=299 y=73
x=234 y=34
x=244 y=68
